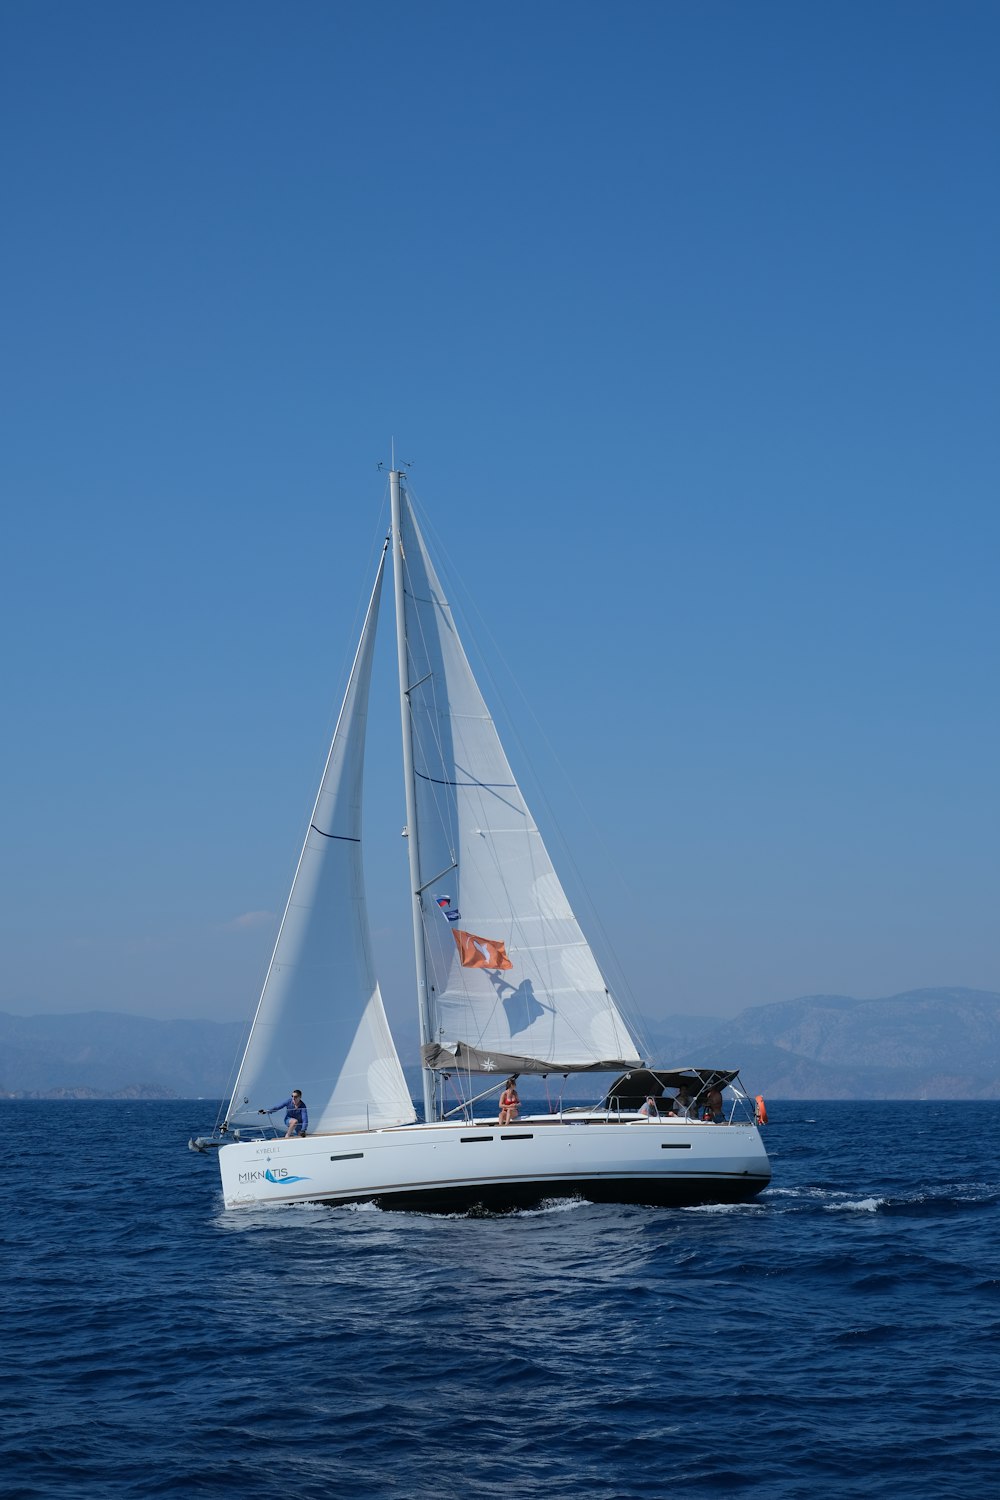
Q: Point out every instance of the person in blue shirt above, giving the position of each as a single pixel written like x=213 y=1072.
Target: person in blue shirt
x=296 y=1114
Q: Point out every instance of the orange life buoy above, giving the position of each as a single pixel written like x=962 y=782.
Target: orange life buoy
x=761 y=1110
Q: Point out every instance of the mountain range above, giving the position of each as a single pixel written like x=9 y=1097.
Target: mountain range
x=922 y=1044
x=932 y=1043
x=103 y=1054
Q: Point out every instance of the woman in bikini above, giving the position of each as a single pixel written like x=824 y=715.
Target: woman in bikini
x=510 y=1103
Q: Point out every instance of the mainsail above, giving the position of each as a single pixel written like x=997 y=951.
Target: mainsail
x=320 y=1025
x=512 y=983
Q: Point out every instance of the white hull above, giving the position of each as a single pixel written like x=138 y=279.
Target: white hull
x=451 y=1167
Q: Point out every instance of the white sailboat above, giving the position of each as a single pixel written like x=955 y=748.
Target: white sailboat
x=506 y=982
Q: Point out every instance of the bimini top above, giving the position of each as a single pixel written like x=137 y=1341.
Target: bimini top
x=632 y=1089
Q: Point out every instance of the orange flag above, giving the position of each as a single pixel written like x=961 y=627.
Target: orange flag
x=480 y=953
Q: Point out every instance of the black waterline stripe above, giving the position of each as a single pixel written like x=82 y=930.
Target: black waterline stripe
x=473 y=1182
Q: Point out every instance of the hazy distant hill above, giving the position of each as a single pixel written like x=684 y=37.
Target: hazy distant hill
x=921 y=1044
x=105 y=1054
x=942 y=1043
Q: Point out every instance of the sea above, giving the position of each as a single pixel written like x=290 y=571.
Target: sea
x=838 y=1337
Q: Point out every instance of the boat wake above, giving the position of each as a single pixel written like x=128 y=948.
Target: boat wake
x=946 y=1199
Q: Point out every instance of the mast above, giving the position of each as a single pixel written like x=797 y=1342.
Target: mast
x=430 y=1101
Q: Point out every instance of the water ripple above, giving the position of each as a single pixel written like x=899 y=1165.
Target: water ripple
x=843 y=1325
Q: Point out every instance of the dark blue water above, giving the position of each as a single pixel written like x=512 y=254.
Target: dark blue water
x=840 y=1337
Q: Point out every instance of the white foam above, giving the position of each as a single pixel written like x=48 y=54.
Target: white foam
x=554 y=1206
x=719 y=1208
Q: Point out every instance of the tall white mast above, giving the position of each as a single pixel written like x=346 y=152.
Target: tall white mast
x=430 y=1081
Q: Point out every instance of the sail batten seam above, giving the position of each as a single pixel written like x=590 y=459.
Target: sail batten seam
x=345 y=838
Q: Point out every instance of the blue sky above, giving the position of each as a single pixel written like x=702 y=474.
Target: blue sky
x=686 y=315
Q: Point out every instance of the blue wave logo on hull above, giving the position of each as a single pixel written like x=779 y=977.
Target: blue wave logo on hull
x=283 y=1178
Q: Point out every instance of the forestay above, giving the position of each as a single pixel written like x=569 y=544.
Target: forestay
x=320 y=1024
x=512 y=983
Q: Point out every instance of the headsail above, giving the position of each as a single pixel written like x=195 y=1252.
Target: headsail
x=512 y=983
x=320 y=1025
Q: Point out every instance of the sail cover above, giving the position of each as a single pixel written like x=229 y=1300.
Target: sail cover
x=320 y=1025
x=512 y=984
